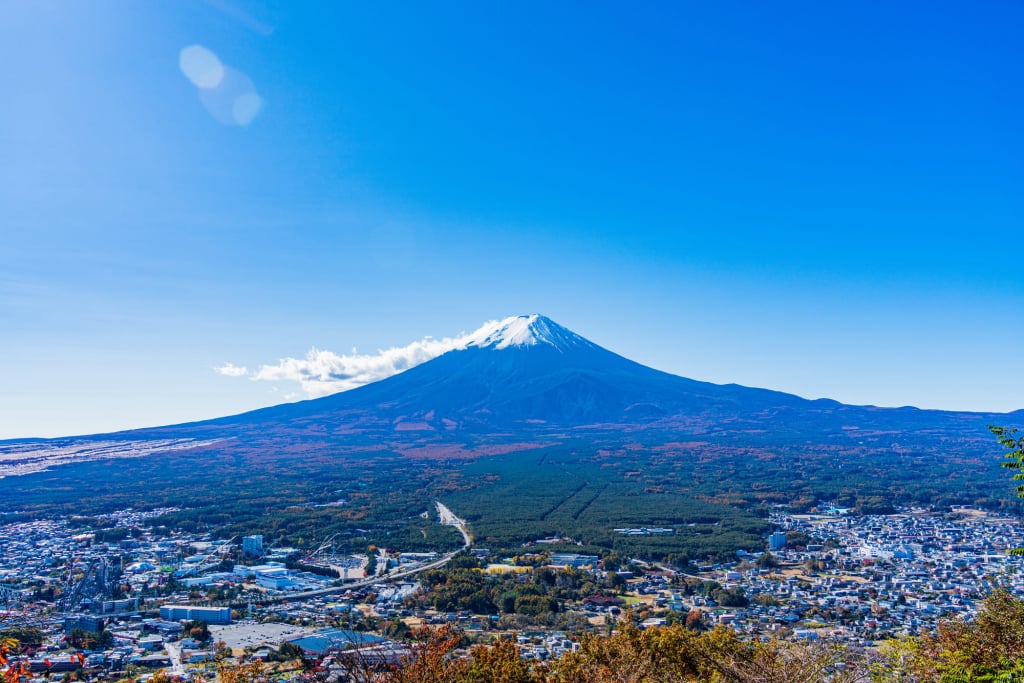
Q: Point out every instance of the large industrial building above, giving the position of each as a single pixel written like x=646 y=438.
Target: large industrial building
x=211 y=615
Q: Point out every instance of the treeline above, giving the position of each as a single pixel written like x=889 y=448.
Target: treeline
x=539 y=593
x=536 y=593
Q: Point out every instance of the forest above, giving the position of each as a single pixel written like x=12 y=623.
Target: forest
x=714 y=495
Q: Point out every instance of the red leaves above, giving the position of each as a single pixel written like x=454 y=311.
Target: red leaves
x=15 y=672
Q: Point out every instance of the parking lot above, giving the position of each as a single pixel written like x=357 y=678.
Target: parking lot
x=249 y=634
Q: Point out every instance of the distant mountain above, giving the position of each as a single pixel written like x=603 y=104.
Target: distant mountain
x=527 y=377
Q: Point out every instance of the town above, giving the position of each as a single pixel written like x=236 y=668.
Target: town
x=122 y=600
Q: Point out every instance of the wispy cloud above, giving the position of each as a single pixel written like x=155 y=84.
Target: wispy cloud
x=241 y=16
x=231 y=370
x=324 y=372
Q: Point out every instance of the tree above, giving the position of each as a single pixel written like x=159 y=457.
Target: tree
x=290 y=651
x=990 y=648
x=797 y=539
x=252 y=672
x=11 y=671
x=500 y=663
x=371 y=562
x=89 y=640
x=730 y=597
x=1013 y=460
x=633 y=655
x=535 y=605
x=612 y=561
x=27 y=636
x=430 y=661
x=221 y=651
x=615 y=581
x=197 y=629
x=695 y=620
x=507 y=602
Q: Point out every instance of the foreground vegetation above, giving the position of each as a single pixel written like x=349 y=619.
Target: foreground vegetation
x=991 y=648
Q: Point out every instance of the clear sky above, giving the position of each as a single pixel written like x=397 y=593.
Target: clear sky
x=821 y=198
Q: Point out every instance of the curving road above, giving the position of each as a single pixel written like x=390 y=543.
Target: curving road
x=448 y=518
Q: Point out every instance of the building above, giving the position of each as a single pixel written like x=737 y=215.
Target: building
x=151 y=643
x=777 y=540
x=574 y=560
x=274 y=581
x=83 y=622
x=211 y=615
x=252 y=546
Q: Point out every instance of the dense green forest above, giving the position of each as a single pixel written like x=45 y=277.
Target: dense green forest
x=714 y=495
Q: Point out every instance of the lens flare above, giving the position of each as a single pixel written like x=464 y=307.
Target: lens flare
x=201 y=66
x=234 y=102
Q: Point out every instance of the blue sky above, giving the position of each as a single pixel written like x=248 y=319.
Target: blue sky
x=820 y=198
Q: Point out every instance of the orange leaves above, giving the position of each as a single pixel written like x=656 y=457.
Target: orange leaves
x=14 y=671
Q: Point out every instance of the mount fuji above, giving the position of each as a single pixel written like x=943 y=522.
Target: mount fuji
x=531 y=430
x=527 y=377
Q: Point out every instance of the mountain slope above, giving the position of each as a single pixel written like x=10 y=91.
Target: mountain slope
x=528 y=377
x=533 y=369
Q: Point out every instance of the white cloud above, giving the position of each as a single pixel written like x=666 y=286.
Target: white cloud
x=231 y=370
x=324 y=372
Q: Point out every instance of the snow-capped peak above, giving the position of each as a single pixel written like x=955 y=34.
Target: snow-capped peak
x=324 y=372
x=524 y=330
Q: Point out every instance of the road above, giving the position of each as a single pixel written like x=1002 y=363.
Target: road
x=174 y=652
x=446 y=516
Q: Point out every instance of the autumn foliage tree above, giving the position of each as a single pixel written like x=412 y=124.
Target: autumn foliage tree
x=632 y=655
x=988 y=648
x=11 y=671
